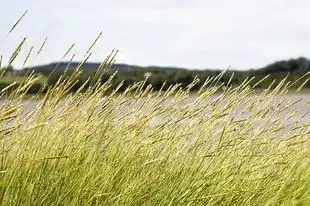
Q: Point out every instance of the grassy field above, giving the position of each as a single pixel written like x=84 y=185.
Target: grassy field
x=141 y=147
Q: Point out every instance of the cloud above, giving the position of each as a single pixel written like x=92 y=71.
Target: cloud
x=196 y=33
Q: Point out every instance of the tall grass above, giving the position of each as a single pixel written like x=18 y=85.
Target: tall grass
x=139 y=147
x=152 y=148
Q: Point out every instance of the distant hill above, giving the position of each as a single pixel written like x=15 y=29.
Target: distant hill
x=74 y=65
x=92 y=66
x=291 y=65
x=161 y=78
x=300 y=64
x=157 y=76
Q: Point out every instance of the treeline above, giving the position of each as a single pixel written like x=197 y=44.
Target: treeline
x=159 y=76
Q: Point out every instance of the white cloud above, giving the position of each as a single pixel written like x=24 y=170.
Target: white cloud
x=192 y=33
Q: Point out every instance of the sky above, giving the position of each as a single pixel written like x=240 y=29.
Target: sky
x=196 y=34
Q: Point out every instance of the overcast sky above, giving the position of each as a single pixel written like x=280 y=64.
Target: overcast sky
x=186 y=33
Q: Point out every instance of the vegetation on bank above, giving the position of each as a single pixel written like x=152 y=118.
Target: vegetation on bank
x=157 y=76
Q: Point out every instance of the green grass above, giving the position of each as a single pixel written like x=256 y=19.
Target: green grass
x=19 y=79
x=152 y=148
